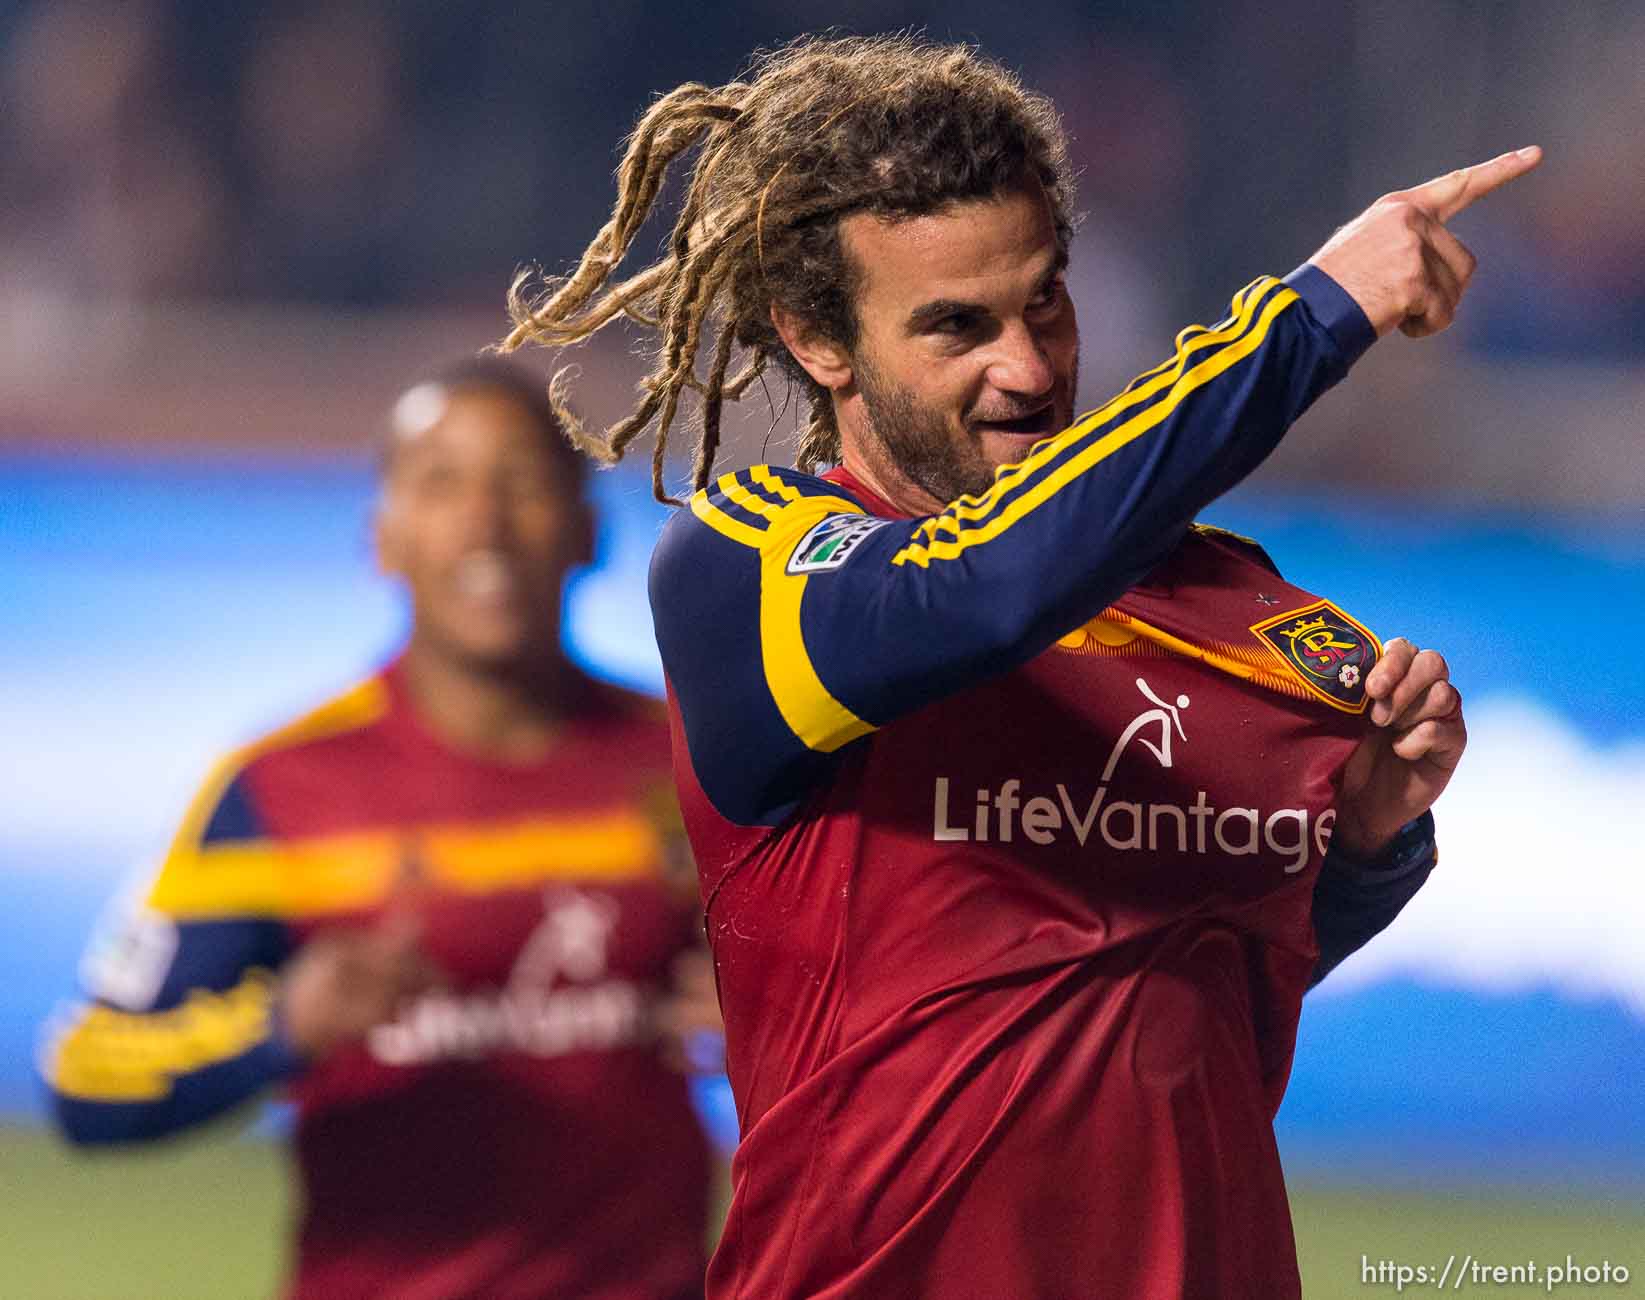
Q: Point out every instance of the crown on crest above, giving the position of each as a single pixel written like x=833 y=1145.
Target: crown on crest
x=1304 y=625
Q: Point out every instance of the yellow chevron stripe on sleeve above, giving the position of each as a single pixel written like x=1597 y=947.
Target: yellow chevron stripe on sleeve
x=1190 y=341
x=121 y=1056
x=762 y=475
x=1018 y=507
x=724 y=524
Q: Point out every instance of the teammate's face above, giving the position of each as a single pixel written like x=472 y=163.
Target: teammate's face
x=967 y=348
x=482 y=522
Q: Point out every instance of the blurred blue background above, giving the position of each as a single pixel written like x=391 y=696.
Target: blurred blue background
x=173 y=608
x=232 y=234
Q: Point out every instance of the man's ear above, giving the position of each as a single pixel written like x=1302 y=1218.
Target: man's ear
x=823 y=359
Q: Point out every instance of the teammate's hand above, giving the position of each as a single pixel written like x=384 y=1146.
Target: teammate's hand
x=1415 y=741
x=1397 y=260
x=688 y=1017
x=342 y=984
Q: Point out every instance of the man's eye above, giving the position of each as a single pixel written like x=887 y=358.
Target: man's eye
x=958 y=323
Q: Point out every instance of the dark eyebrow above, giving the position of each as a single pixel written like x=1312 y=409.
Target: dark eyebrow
x=930 y=313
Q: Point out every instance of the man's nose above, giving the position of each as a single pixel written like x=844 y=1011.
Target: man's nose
x=486 y=513
x=1020 y=365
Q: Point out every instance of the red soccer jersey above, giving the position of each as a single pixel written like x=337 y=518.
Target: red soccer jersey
x=515 y=1134
x=1008 y=822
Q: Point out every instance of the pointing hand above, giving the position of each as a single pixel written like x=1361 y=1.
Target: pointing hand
x=1399 y=262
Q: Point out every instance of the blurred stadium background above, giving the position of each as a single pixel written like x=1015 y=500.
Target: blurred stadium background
x=229 y=234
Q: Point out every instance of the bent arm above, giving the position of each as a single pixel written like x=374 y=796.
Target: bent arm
x=1356 y=901
x=177 y=1018
x=122 y=1076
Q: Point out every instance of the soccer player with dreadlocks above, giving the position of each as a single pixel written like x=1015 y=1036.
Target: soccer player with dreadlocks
x=1025 y=810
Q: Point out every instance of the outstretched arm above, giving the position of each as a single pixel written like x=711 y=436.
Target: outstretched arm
x=791 y=623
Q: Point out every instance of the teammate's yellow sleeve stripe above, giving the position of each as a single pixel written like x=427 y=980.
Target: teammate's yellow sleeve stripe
x=123 y=1056
x=806 y=705
x=341 y=873
x=1169 y=373
x=1018 y=507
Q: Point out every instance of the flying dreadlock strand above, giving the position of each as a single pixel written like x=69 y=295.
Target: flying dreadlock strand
x=713 y=400
x=683 y=324
x=656 y=143
x=738 y=384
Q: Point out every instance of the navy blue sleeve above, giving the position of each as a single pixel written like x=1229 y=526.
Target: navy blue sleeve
x=1356 y=901
x=792 y=624
x=177 y=1020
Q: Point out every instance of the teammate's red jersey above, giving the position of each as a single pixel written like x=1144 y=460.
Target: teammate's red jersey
x=513 y=1135
x=1009 y=823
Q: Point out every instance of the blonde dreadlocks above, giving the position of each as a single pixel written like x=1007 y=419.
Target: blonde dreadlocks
x=822 y=128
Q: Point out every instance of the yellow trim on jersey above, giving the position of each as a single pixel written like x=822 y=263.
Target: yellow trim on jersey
x=810 y=710
x=723 y=523
x=762 y=475
x=1114 y=440
x=121 y=1056
x=815 y=508
x=1233 y=667
x=752 y=502
x=338 y=873
x=1192 y=339
x=357 y=707
x=806 y=705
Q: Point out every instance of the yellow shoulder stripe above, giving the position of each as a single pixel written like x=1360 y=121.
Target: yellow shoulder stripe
x=357 y=707
x=721 y=522
x=1183 y=382
x=288 y=879
x=806 y=705
x=122 y=1056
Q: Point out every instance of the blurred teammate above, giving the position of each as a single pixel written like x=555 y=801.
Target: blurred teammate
x=444 y=910
x=1025 y=811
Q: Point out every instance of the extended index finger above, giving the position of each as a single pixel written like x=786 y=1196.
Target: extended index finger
x=1445 y=196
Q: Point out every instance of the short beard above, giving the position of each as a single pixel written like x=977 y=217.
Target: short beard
x=918 y=441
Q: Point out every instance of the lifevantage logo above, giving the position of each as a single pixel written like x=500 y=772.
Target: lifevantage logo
x=1002 y=813
x=560 y=997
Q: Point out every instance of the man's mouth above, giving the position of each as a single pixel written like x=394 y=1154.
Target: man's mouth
x=1039 y=424
x=485 y=575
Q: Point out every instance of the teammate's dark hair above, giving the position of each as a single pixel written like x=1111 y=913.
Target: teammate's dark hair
x=822 y=128
x=494 y=374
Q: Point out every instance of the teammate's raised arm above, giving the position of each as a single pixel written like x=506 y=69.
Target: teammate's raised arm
x=1399 y=262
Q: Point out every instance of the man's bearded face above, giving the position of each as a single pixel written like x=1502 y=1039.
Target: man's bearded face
x=967 y=352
